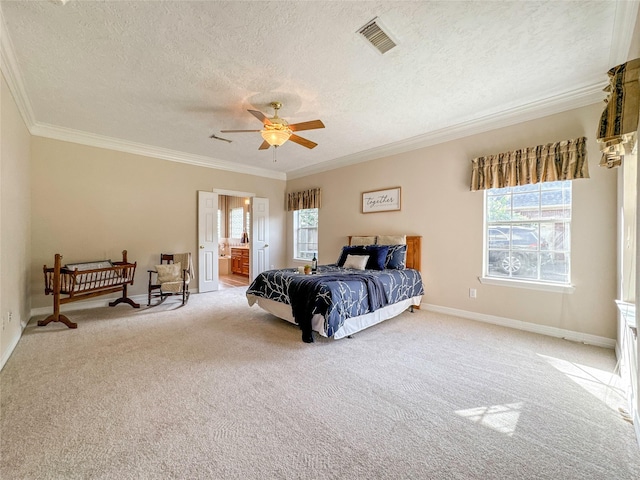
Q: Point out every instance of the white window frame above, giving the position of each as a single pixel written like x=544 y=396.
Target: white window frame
x=514 y=281
x=296 y=230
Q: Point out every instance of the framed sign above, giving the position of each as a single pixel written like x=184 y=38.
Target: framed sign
x=381 y=200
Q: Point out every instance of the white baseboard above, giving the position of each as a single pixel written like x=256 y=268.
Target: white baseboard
x=10 y=350
x=529 y=327
x=69 y=307
x=99 y=303
x=481 y=317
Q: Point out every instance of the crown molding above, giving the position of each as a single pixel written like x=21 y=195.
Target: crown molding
x=577 y=98
x=623 y=24
x=11 y=72
x=101 y=141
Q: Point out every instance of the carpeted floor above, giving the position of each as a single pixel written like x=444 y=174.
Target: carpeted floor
x=218 y=390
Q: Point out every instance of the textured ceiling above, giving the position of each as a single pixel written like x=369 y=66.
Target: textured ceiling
x=168 y=74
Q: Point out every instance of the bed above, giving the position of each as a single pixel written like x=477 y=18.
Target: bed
x=344 y=298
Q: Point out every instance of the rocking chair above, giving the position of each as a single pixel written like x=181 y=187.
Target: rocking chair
x=171 y=277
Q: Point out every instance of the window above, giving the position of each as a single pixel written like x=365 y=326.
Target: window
x=527 y=233
x=305 y=233
x=236 y=221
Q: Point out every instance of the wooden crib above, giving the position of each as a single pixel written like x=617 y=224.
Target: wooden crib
x=72 y=285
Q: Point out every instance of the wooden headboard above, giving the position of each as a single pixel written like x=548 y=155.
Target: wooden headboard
x=414 y=251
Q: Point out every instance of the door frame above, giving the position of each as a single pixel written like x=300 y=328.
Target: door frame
x=236 y=193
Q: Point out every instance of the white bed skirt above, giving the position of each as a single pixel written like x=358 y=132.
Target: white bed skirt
x=350 y=326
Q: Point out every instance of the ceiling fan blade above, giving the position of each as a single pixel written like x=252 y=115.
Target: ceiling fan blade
x=265 y=145
x=310 y=125
x=302 y=141
x=260 y=116
x=236 y=131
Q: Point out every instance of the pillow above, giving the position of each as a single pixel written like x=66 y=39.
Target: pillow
x=169 y=273
x=350 y=250
x=357 y=262
x=392 y=240
x=377 y=256
x=89 y=265
x=396 y=257
x=356 y=241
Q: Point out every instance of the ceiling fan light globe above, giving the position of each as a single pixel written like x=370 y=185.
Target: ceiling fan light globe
x=274 y=137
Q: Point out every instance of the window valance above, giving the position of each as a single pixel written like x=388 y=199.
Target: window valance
x=566 y=160
x=311 y=198
x=619 y=120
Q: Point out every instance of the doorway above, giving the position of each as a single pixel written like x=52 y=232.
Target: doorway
x=246 y=231
x=234 y=225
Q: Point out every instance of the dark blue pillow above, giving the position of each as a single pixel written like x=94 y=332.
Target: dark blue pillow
x=348 y=250
x=377 y=256
x=396 y=257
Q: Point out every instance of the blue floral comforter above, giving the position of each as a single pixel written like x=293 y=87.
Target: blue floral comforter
x=335 y=293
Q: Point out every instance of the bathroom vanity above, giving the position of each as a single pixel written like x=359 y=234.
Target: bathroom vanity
x=240 y=260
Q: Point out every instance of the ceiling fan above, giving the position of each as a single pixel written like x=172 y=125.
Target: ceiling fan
x=276 y=130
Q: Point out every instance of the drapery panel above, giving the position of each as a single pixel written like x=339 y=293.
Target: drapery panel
x=619 y=121
x=311 y=198
x=566 y=160
x=223 y=206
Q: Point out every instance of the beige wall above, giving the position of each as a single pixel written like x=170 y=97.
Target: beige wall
x=437 y=204
x=15 y=227
x=90 y=203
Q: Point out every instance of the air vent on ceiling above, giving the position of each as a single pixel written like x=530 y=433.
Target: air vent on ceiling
x=376 y=36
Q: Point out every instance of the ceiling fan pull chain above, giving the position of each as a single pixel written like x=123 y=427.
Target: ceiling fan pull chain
x=275 y=148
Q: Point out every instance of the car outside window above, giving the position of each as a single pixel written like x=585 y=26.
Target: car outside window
x=527 y=233
x=305 y=233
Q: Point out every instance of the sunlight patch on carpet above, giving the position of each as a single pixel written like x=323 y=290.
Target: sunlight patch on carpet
x=501 y=418
x=605 y=386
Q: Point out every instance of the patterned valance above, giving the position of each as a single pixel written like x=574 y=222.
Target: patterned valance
x=565 y=160
x=311 y=198
x=619 y=121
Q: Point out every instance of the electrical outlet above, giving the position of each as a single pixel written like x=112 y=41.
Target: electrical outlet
x=472 y=293
x=10 y=316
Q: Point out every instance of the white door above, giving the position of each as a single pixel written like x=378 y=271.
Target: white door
x=259 y=236
x=207 y=241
